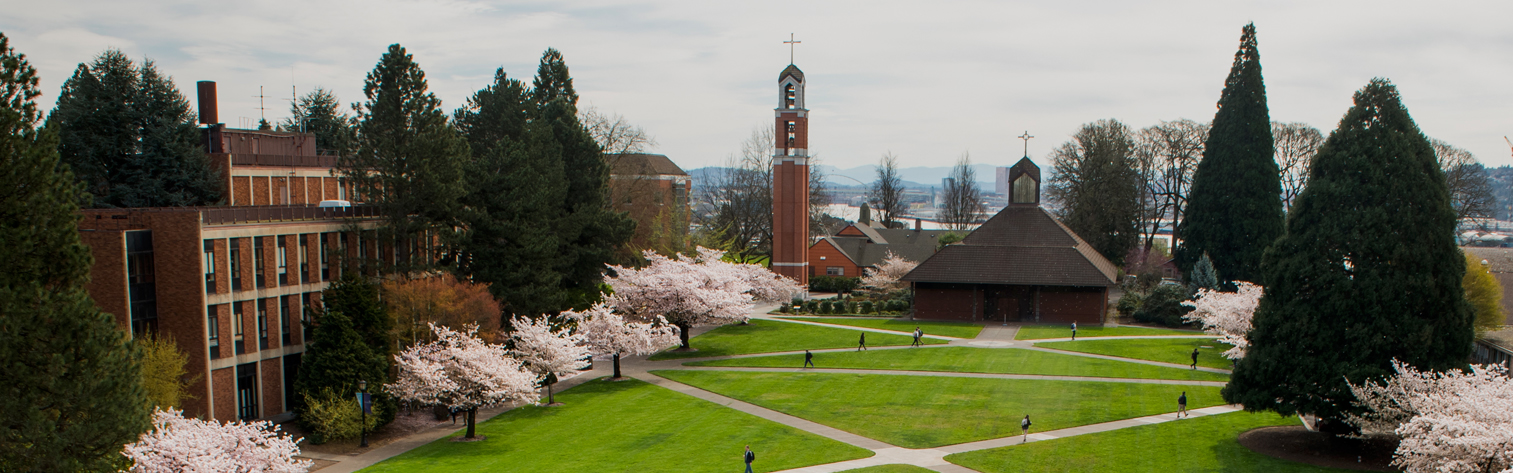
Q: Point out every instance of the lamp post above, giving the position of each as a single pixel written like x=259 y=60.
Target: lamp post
x=362 y=406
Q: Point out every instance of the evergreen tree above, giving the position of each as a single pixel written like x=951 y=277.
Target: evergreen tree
x=408 y=159
x=1203 y=275
x=1235 y=208
x=553 y=81
x=319 y=112
x=1097 y=186
x=72 y=394
x=263 y=125
x=336 y=358
x=1367 y=272
x=131 y=137
x=358 y=300
x=509 y=238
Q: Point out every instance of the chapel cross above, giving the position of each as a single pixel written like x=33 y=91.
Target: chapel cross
x=790 y=44
x=1026 y=137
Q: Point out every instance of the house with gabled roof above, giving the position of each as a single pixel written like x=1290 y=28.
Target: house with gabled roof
x=865 y=244
x=1022 y=265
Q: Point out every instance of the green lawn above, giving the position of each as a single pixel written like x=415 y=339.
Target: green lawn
x=927 y=411
x=974 y=360
x=894 y=468
x=1038 y=332
x=949 y=329
x=1169 y=350
x=765 y=336
x=1200 y=444
x=627 y=426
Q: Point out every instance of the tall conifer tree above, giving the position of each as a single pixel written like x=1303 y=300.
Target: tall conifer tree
x=1235 y=208
x=1367 y=272
x=320 y=113
x=131 y=137
x=72 y=393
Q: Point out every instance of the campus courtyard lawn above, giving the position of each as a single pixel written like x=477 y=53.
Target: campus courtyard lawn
x=1038 y=332
x=974 y=360
x=894 y=468
x=1169 y=350
x=1199 y=444
x=626 y=426
x=928 y=411
x=949 y=329
x=766 y=336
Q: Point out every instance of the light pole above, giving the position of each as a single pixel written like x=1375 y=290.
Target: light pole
x=362 y=406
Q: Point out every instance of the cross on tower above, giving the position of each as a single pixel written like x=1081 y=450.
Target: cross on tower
x=1026 y=137
x=790 y=44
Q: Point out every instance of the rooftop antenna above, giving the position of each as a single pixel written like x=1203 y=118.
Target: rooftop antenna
x=260 y=108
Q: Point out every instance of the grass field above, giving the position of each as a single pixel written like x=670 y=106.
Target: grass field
x=627 y=426
x=1201 y=444
x=894 y=468
x=765 y=336
x=920 y=411
x=1169 y=350
x=949 y=329
x=1038 y=332
x=975 y=360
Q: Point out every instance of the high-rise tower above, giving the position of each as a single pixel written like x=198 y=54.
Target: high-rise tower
x=790 y=179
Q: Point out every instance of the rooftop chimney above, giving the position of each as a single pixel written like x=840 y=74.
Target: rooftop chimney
x=916 y=224
x=208 y=115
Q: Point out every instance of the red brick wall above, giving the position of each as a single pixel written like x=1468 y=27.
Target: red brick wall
x=330 y=188
x=249 y=279
x=947 y=302
x=107 y=282
x=832 y=257
x=271 y=372
x=291 y=250
x=249 y=326
x=260 y=191
x=1069 y=304
x=297 y=192
x=851 y=230
x=223 y=267
x=270 y=261
x=241 y=190
x=223 y=383
x=296 y=332
x=280 y=191
x=178 y=254
x=790 y=220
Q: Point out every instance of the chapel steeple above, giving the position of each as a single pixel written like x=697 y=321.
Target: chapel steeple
x=790 y=179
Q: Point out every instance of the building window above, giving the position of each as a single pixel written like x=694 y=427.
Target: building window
x=246 y=391
x=325 y=256
x=213 y=331
x=236 y=264
x=237 y=334
x=304 y=317
x=262 y=324
x=304 y=259
x=835 y=271
x=283 y=261
x=257 y=263
x=141 y=287
x=283 y=319
x=209 y=266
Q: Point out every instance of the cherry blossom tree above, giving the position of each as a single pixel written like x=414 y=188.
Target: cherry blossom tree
x=1227 y=314
x=1449 y=422
x=550 y=354
x=460 y=371
x=699 y=290
x=888 y=275
x=177 y=444
x=609 y=334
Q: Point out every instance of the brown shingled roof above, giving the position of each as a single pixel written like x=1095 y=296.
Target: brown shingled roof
x=1021 y=245
x=640 y=164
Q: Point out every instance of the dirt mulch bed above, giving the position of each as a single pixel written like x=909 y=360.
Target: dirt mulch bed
x=403 y=426
x=1295 y=443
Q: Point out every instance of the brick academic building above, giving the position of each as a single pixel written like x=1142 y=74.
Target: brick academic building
x=229 y=285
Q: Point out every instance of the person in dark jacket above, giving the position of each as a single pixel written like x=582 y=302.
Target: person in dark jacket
x=748 y=457
x=1195 y=358
x=1182 y=405
x=861 y=344
x=808 y=359
x=1024 y=425
x=1074 y=331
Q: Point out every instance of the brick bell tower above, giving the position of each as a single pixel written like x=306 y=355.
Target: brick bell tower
x=790 y=179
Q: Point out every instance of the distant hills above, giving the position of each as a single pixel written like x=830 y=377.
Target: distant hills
x=919 y=177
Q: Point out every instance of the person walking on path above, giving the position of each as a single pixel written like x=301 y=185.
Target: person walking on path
x=1182 y=405
x=917 y=334
x=861 y=344
x=808 y=359
x=1074 y=331
x=1024 y=425
x=748 y=457
x=1195 y=358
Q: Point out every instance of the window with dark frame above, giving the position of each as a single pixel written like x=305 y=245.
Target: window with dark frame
x=304 y=258
x=236 y=264
x=304 y=316
x=210 y=266
x=262 y=324
x=141 y=283
x=257 y=263
x=283 y=260
x=835 y=271
x=283 y=320
x=213 y=331
x=238 y=337
x=325 y=256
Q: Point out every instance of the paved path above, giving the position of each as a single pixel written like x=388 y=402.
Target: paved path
x=992 y=336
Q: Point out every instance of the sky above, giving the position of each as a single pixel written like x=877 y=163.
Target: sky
x=926 y=81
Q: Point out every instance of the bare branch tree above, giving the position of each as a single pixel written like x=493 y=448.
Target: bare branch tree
x=887 y=192
x=1470 y=185
x=962 y=200
x=1167 y=154
x=1295 y=145
x=615 y=134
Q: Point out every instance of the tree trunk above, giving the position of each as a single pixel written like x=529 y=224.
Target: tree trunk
x=683 y=334
x=549 y=399
x=617 y=366
x=472 y=412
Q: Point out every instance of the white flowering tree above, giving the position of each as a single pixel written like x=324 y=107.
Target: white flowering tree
x=888 y=275
x=1227 y=315
x=609 y=334
x=177 y=444
x=462 y=372
x=1449 y=422
x=690 y=291
x=550 y=354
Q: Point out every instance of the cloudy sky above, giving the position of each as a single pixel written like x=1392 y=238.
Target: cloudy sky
x=927 y=81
